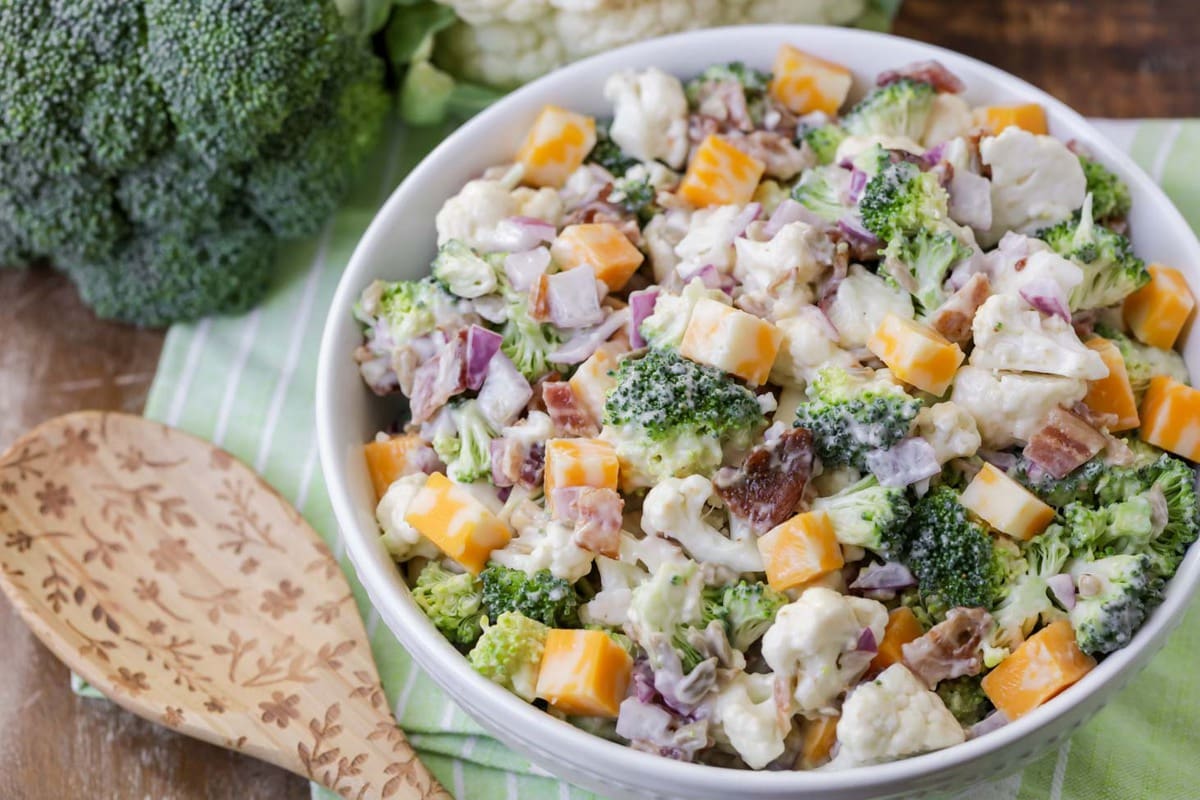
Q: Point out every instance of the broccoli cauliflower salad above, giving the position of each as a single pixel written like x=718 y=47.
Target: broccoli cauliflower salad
x=758 y=428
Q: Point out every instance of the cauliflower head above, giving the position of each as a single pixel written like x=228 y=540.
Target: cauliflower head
x=677 y=508
x=814 y=643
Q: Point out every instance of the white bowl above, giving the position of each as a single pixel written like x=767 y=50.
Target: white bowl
x=400 y=243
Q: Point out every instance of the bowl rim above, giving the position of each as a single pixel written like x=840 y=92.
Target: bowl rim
x=581 y=749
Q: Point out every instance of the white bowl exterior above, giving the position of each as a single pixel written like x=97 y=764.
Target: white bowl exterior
x=400 y=244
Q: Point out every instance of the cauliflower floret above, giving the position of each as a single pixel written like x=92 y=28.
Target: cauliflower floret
x=678 y=508
x=1036 y=182
x=949 y=117
x=891 y=717
x=814 y=643
x=472 y=215
x=662 y=235
x=806 y=347
x=1040 y=267
x=862 y=301
x=1009 y=335
x=548 y=545
x=650 y=115
x=950 y=429
x=709 y=240
x=401 y=539
x=749 y=719
x=1009 y=407
x=672 y=312
x=789 y=254
x=610 y=605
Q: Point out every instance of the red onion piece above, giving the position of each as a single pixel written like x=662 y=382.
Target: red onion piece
x=715 y=279
x=497 y=448
x=577 y=349
x=505 y=392
x=906 y=463
x=933 y=156
x=992 y=722
x=932 y=72
x=1046 y=296
x=998 y=459
x=853 y=228
x=751 y=212
x=858 y=182
x=790 y=211
x=891 y=576
x=517 y=234
x=574 y=299
x=1063 y=587
x=641 y=305
x=525 y=267
x=866 y=642
x=482 y=344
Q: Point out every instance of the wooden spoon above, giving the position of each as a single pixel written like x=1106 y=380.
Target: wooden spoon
x=173 y=579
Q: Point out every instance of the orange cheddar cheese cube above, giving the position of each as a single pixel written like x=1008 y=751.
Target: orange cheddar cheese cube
x=556 y=146
x=720 y=175
x=462 y=527
x=388 y=459
x=592 y=381
x=902 y=628
x=1113 y=394
x=580 y=462
x=1171 y=417
x=731 y=340
x=805 y=83
x=1044 y=665
x=1027 y=116
x=799 y=550
x=1005 y=504
x=1157 y=312
x=820 y=734
x=916 y=353
x=583 y=672
x=601 y=245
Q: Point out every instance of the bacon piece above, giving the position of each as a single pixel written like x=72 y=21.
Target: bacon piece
x=567 y=413
x=601 y=513
x=1064 y=442
x=931 y=72
x=950 y=649
x=783 y=159
x=953 y=318
x=539 y=299
x=533 y=466
x=769 y=485
x=516 y=464
x=439 y=378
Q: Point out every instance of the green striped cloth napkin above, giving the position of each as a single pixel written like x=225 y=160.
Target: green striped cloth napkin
x=247 y=384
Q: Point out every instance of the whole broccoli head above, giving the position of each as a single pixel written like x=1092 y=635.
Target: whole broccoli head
x=965 y=699
x=745 y=608
x=956 y=561
x=1110 y=195
x=899 y=109
x=452 y=601
x=467 y=452
x=669 y=416
x=1114 y=595
x=1026 y=599
x=825 y=192
x=510 y=651
x=869 y=515
x=1144 y=361
x=851 y=415
x=824 y=141
x=540 y=596
x=157 y=150
x=1111 y=272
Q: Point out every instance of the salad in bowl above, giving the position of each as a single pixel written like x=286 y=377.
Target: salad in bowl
x=758 y=427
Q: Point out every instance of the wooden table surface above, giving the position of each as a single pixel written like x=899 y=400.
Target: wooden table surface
x=1104 y=57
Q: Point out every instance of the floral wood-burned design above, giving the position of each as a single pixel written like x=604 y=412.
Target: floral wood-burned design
x=173 y=579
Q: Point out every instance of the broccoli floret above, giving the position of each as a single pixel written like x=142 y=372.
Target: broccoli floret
x=899 y=109
x=636 y=196
x=1110 y=195
x=527 y=342
x=746 y=609
x=754 y=82
x=452 y=601
x=509 y=652
x=400 y=311
x=956 y=561
x=1143 y=361
x=540 y=596
x=672 y=598
x=607 y=154
x=869 y=515
x=965 y=699
x=927 y=257
x=824 y=191
x=1114 y=595
x=461 y=271
x=665 y=327
x=901 y=200
x=851 y=415
x=824 y=141
x=1111 y=272
x=1027 y=598
x=467 y=453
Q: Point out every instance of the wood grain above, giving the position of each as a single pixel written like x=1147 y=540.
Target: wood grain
x=1103 y=57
